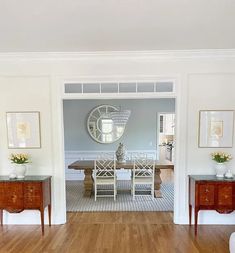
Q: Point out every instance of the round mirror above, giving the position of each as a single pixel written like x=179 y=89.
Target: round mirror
x=102 y=126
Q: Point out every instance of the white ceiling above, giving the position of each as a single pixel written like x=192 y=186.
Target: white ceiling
x=115 y=25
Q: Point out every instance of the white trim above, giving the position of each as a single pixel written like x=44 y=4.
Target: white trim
x=60 y=145
x=118 y=78
x=154 y=54
x=74 y=155
x=59 y=211
x=93 y=154
x=119 y=96
x=208 y=217
x=179 y=161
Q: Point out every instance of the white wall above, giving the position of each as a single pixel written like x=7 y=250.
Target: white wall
x=25 y=93
x=217 y=94
x=32 y=82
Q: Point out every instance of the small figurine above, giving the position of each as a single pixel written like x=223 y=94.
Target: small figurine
x=120 y=153
x=229 y=174
x=12 y=176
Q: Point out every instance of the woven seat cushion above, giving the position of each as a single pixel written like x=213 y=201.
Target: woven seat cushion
x=105 y=180
x=105 y=174
x=141 y=173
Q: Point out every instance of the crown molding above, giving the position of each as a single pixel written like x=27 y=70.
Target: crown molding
x=153 y=55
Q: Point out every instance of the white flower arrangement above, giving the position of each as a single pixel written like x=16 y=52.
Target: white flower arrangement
x=221 y=157
x=19 y=158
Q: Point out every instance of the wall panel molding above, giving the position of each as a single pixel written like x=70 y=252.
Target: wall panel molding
x=72 y=156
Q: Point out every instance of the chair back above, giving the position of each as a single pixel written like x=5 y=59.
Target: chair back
x=105 y=168
x=144 y=168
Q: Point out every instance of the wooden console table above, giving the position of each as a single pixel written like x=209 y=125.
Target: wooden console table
x=31 y=192
x=88 y=166
x=210 y=193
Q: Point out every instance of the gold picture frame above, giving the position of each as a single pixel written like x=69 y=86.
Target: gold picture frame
x=23 y=129
x=216 y=128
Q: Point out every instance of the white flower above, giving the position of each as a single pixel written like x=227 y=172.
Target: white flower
x=221 y=157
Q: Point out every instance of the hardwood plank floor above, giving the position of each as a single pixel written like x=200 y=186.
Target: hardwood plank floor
x=115 y=232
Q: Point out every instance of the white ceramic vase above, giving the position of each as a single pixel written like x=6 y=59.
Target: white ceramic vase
x=220 y=169
x=120 y=153
x=20 y=170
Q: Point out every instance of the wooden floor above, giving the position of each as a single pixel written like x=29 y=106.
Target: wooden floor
x=115 y=232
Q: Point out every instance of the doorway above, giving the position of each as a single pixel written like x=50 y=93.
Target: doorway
x=166 y=142
x=125 y=92
x=166 y=135
x=139 y=136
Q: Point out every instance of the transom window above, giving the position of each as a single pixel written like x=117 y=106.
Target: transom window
x=119 y=87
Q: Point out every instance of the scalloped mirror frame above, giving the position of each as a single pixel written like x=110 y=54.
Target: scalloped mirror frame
x=95 y=116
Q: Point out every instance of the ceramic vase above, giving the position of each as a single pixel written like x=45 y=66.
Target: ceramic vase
x=120 y=153
x=220 y=169
x=20 y=170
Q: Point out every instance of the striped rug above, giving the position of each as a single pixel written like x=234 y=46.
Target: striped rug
x=77 y=203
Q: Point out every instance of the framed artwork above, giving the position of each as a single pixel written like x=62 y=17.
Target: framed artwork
x=23 y=129
x=216 y=129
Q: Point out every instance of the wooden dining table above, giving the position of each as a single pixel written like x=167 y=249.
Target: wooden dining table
x=88 y=166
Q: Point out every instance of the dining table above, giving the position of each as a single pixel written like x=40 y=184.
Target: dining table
x=88 y=166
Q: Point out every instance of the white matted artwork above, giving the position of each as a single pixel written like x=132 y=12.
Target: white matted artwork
x=216 y=129
x=23 y=129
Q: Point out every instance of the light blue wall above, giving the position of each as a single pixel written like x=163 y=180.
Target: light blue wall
x=140 y=132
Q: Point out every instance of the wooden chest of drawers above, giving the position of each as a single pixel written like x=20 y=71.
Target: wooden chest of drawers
x=32 y=192
x=210 y=193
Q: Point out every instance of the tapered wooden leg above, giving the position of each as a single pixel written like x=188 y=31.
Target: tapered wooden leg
x=157 y=183
x=49 y=205
x=1 y=216
x=190 y=214
x=88 y=183
x=49 y=214
x=196 y=217
x=42 y=219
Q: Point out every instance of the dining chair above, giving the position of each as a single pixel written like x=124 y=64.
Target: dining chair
x=105 y=175
x=143 y=174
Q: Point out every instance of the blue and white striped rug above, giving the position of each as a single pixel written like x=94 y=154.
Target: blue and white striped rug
x=77 y=203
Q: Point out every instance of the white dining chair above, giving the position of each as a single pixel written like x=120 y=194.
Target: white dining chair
x=143 y=174
x=105 y=175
